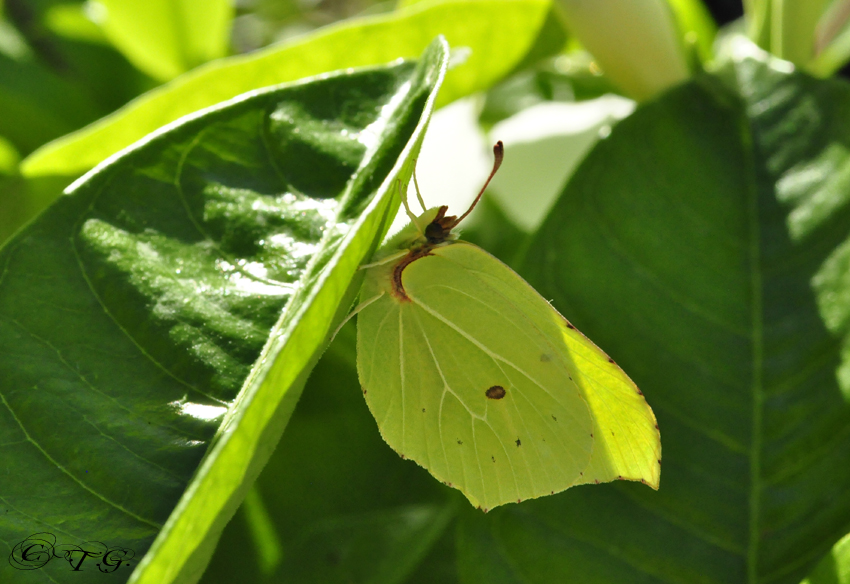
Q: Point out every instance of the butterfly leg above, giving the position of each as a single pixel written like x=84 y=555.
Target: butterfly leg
x=418 y=193
x=413 y=218
x=351 y=314
x=390 y=258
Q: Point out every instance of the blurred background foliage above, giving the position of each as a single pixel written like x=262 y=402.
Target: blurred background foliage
x=65 y=65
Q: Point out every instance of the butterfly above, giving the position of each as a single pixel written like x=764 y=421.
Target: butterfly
x=472 y=374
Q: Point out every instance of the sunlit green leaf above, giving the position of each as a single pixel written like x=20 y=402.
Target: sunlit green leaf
x=499 y=32
x=165 y=38
x=73 y=21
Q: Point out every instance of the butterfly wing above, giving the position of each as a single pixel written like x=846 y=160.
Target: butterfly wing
x=478 y=379
x=627 y=442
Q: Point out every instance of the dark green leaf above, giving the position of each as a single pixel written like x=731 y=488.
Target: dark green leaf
x=39 y=105
x=704 y=245
x=166 y=312
x=21 y=199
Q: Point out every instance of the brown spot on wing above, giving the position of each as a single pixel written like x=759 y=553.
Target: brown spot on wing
x=495 y=392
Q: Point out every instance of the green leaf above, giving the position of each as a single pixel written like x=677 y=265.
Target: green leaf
x=73 y=21
x=165 y=38
x=9 y=158
x=835 y=567
x=793 y=26
x=21 y=199
x=157 y=324
x=704 y=244
x=696 y=26
x=55 y=85
x=39 y=105
x=499 y=32
x=552 y=38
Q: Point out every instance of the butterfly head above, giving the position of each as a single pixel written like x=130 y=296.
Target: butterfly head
x=440 y=227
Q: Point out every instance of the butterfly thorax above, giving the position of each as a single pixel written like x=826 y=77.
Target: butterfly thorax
x=432 y=228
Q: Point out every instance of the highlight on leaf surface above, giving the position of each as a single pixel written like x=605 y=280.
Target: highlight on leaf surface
x=476 y=377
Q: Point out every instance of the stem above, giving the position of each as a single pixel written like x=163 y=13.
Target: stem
x=793 y=25
x=757 y=13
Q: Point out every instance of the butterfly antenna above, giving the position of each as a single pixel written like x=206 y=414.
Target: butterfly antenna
x=418 y=194
x=413 y=218
x=498 y=155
